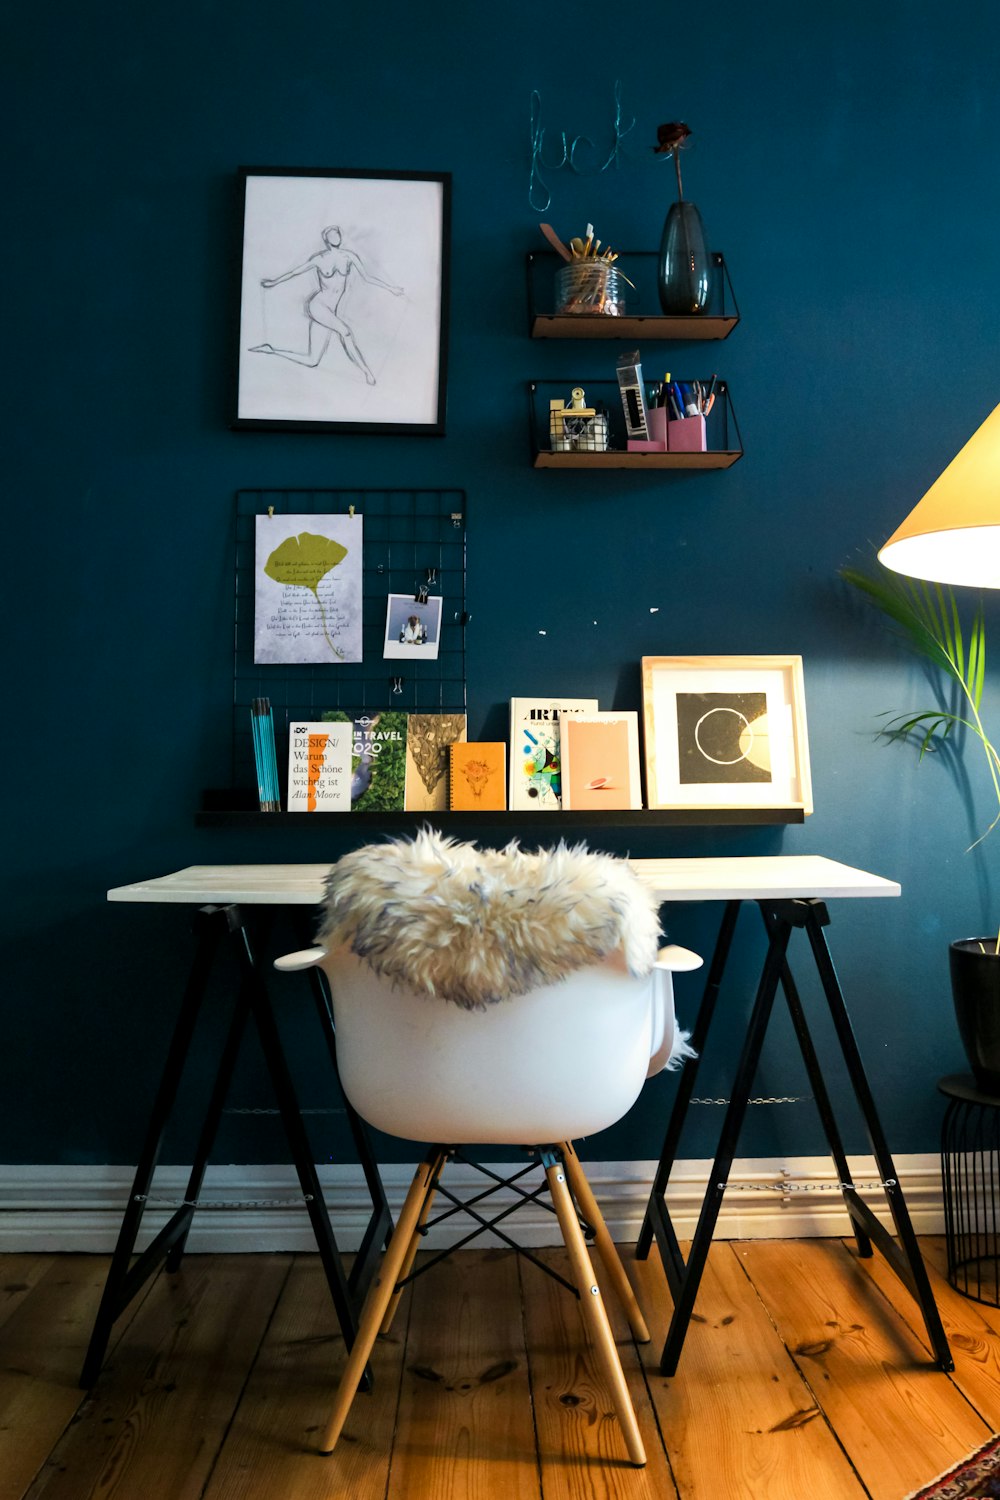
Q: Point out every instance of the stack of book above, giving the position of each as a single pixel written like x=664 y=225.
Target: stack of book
x=566 y=753
x=371 y=761
x=562 y=753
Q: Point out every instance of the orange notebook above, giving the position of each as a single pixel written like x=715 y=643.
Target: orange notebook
x=477 y=776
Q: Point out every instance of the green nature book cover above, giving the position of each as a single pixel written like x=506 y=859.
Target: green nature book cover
x=378 y=759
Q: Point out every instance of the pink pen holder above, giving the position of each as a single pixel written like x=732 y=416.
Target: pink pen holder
x=657 y=424
x=686 y=434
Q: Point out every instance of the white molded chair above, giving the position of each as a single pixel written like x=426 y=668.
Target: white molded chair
x=535 y=1070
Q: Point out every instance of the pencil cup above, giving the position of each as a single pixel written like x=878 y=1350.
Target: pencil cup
x=589 y=286
x=687 y=435
x=656 y=423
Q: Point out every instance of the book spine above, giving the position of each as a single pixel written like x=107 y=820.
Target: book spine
x=451 y=778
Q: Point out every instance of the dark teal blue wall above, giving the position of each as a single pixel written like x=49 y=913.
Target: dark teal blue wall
x=845 y=158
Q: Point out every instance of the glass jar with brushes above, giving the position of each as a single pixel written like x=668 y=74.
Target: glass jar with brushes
x=590 y=286
x=589 y=282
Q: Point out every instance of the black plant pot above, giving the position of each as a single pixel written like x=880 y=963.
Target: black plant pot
x=975 y=988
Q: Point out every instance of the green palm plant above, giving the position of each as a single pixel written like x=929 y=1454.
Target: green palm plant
x=929 y=621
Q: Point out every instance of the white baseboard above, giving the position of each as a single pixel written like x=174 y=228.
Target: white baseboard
x=79 y=1208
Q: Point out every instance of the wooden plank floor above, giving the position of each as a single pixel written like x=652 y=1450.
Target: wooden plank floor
x=805 y=1372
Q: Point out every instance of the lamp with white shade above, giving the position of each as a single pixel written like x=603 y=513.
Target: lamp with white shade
x=952 y=535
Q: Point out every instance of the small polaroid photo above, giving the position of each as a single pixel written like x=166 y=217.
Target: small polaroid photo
x=413 y=627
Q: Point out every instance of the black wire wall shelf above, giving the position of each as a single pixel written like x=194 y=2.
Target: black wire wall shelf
x=587 y=450
x=643 y=320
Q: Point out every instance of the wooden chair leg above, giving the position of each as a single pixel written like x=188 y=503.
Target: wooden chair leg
x=593 y=1311
x=411 y=1256
x=610 y=1259
x=380 y=1294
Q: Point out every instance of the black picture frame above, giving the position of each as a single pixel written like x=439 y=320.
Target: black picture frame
x=343 y=300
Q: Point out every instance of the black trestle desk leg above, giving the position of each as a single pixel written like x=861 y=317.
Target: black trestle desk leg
x=220 y=1092
x=656 y=1214
x=298 y=1142
x=816 y=1082
x=379 y=1231
x=908 y=1265
x=123 y=1283
x=687 y=1288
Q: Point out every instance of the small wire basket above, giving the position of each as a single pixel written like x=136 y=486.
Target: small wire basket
x=577 y=432
x=590 y=286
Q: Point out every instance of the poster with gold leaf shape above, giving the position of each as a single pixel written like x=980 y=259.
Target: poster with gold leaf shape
x=307 y=589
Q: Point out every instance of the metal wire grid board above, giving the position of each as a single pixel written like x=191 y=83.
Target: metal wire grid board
x=409 y=536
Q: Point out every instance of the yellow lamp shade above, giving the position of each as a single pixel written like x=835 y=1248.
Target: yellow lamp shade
x=953 y=534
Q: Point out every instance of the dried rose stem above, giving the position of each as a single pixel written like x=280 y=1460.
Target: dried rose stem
x=677 y=167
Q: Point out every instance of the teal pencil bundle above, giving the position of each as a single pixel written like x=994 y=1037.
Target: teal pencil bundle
x=262 y=721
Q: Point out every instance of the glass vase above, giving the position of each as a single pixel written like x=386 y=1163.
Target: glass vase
x=683 y=272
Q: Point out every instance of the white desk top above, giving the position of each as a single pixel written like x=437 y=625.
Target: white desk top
x=739 y=877
x=758 y=877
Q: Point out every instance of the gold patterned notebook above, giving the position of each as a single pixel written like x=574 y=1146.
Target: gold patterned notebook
x=428 y=737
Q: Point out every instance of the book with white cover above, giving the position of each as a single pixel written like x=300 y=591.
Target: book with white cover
x=534 y=750
x=319 y=767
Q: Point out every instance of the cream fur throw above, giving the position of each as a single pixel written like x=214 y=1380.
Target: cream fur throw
x=478 y=925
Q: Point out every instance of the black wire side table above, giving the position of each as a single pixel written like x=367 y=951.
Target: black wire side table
x=970 y=1177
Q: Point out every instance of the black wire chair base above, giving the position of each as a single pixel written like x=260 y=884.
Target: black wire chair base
x=469 y=1207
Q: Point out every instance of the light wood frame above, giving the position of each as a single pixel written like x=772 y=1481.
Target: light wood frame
x=670 y=687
